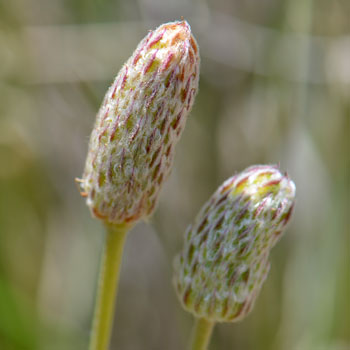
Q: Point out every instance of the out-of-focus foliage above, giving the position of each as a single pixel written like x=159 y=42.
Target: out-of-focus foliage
x=275 y=88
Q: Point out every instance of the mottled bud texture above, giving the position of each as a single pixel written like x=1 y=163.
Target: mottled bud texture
x=139 y=123
x=224 y=262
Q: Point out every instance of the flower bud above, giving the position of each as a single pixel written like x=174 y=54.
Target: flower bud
x=139 y=123
x=224 y=261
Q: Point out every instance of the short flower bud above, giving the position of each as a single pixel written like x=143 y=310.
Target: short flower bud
x=224 y=261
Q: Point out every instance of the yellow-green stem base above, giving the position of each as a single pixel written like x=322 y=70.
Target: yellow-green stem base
x=108 y=286
x=201 y=334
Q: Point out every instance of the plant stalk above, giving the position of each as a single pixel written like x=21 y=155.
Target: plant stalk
x=108 y=286
x=201 y=334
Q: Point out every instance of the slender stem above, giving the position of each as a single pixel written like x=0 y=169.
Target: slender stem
x=201 y=334
x=108 y=286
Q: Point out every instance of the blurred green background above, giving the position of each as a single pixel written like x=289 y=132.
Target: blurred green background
x=274 y=88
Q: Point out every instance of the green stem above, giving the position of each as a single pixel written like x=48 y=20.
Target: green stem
x=201 y=334
x=108 y=286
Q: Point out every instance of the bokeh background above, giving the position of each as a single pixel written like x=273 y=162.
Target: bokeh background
x=274 y=88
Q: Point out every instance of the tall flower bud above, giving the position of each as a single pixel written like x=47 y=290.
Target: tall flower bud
x=139 y=123
x=224 y=261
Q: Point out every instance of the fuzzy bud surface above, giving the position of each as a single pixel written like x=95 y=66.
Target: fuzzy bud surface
x=132 y=145
x=224 y=261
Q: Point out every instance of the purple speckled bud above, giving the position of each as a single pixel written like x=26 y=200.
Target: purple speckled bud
x=224 y=261
x=139 y=123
